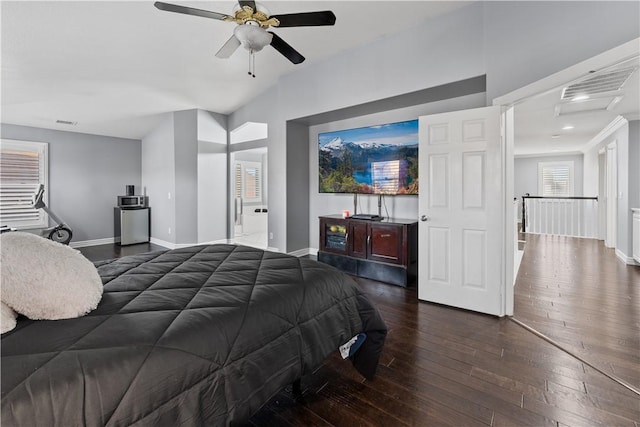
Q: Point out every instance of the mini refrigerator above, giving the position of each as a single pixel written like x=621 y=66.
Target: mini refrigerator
x=131 y=226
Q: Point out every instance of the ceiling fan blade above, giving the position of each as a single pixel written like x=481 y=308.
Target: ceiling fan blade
x=228 y=48
x=189 y=11
x=285 y=49
x=251 y=4
x=306 y=19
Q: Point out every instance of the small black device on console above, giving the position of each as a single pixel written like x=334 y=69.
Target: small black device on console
x=368 y=217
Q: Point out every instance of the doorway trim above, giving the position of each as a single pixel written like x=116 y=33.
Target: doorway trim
x=611 y=188
x=507 y=102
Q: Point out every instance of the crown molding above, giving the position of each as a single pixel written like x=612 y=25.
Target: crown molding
x=548 y=154
x=609 y=129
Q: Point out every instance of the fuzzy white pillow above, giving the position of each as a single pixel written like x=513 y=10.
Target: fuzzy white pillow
x=43 y=279
x=7 y=318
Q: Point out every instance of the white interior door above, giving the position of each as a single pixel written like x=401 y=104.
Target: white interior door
x=462 y=208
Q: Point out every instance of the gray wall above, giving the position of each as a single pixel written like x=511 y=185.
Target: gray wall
x=212 y=192
x=513 y=43
x=212 y=176
x=405 y=207
x=185 y=159
x=185 y=147
x=634 y=172
x=158 y=179
x=526 y=174
x=525 y=41
x=298 y=184
x=86 y=174
x=627 y=187
x=634 y=164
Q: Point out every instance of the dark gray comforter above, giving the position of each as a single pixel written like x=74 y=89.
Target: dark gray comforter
x=196 y=336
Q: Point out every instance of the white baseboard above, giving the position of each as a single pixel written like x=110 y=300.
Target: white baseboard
x=304 y=252
x=624 y=258
x=171 y=245
x=168 y=245
x=215 y=242
x=96 y=242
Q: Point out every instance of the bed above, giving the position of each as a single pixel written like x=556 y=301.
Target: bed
x=203 y=335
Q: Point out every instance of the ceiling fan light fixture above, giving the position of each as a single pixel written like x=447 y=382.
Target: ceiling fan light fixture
x=252 y=37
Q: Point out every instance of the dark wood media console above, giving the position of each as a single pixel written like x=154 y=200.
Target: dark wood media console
x=384 y=250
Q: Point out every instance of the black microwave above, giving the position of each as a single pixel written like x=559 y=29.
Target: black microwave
x=132 y=201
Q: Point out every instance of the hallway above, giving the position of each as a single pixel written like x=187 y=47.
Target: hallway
x=579 y=294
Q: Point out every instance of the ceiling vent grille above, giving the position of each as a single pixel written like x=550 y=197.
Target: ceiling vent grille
x=609 y=81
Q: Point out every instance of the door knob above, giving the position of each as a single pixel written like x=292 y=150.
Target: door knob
x=424 y=218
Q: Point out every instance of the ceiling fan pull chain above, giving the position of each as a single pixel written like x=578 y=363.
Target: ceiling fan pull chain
x=252 y=64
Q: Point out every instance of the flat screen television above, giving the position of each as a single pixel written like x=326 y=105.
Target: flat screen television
x=379 y=159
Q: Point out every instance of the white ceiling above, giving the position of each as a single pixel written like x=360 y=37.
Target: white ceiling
x=536 y=119
x=115 y=67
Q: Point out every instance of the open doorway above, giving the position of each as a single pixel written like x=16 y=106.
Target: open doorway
x=248 y=184
x=611 y=192
x=250 y=207
x=573 y=289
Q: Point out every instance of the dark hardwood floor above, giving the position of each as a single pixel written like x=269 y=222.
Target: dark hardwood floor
x=110 y=251
x=447 y=367
x=576 y=292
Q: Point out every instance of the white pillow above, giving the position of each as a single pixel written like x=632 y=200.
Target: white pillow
x=43 y=279
x=7 y=318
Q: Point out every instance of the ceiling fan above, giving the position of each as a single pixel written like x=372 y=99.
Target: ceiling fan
x=253 y=21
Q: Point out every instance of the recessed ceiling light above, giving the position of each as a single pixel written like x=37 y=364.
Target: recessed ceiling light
x=580 y=97
x=555 y=136
x=567 y=127
x=66 y=122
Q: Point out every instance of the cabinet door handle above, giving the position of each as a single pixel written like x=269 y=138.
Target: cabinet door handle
x=385 y=235
x=368 y=239
x=346 y=237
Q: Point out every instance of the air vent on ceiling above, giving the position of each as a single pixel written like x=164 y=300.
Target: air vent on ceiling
x=606 y=103
x=66 y=122
x=608 y=81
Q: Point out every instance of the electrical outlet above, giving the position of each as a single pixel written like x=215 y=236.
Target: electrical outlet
x=169 y=230
x=270 y=236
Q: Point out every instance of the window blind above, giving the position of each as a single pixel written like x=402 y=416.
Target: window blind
x=248 y=181
x=556 y=179
x=22 y=170
x=252 y=183
x=238 y=179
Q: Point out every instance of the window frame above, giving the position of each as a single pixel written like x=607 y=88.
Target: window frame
x=569 y=165
x=42 y=148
